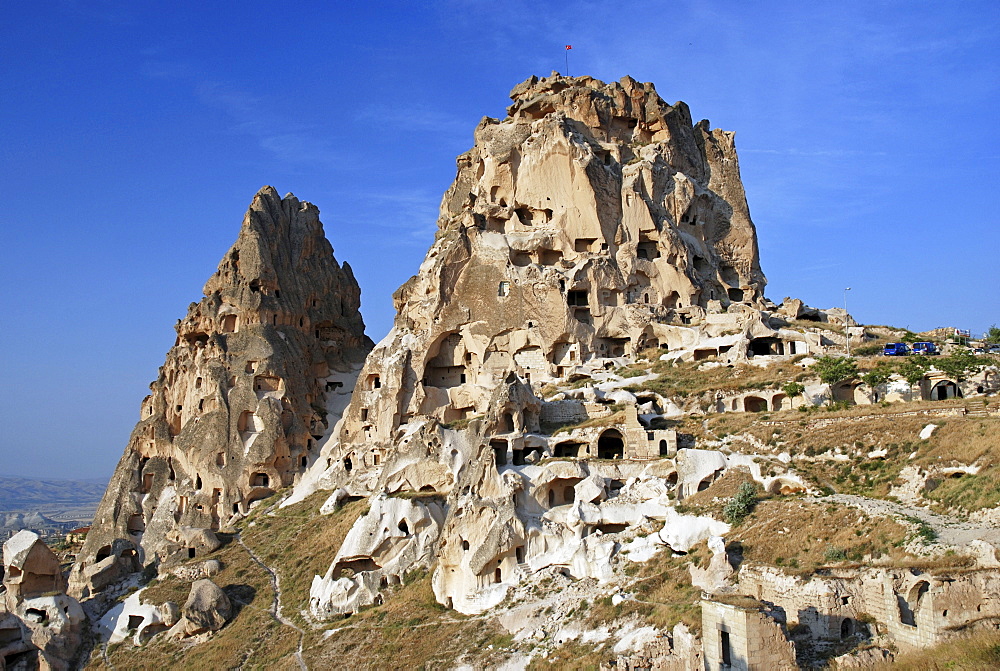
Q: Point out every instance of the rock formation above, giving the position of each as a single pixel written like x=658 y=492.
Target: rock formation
x=37 y=617
x=594 y=222
x=589 y=223
x=515 y=433
x=261 y=369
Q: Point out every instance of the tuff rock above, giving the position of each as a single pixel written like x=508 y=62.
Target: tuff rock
x=260 y=370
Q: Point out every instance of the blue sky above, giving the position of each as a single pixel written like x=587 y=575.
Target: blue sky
x=133 y=136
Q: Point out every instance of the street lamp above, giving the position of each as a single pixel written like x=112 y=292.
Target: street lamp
x=847 y=327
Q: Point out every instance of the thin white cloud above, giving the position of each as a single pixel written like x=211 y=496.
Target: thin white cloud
x=416 y=117
x=835 y=153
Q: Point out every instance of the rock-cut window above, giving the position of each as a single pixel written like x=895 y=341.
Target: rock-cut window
x=504 y=289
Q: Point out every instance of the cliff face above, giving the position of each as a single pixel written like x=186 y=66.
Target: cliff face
x=260 y=370
x=594 y=222
x=591 y=223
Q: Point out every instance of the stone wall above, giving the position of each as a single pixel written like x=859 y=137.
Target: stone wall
x=744 y=636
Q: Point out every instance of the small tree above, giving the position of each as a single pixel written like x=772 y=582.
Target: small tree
x=913 y=370
x=792 y=389
x=960 y=365
x=993 y=335
x=875 y=377
x=832 y=369
x=741 y=505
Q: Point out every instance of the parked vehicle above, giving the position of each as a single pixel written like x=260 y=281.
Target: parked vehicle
x=895 y=349
x=925 y=348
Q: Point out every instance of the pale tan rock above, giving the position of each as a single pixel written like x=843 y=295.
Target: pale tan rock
x=36 y=613
x=207 y=609
x=252 y=385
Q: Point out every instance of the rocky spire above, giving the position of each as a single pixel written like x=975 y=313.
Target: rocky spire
x=251 y=386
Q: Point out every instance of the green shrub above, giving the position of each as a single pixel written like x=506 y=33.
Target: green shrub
x=741 y=505
x=834 y=554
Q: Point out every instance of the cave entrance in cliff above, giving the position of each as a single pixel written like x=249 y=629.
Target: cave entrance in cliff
x=527 y=455
x=136 y=524
x=754 y=404
x=260 y=480
x=499 y=448
x=614 y=347
x=778 y=401
x=646 y=249
x=735 y=295
x=508 y=422
x=266 y=383
x=766 y=346
x=229 y=324
x=611 y=445
x=568 y=450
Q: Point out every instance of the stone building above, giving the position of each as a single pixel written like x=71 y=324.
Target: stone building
x=743 y=634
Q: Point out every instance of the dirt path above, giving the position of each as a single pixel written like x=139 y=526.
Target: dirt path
x=950 y=530
x=275 y=608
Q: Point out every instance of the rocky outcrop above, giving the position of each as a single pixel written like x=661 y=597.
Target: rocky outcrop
x=37 y=618
x=594 y=222
x=590 y=223
x=207 y=609
x=261 y=369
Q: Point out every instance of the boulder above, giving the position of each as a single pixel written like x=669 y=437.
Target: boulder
x=207 y=609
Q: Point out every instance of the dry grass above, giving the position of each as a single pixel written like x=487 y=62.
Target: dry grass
x=574 y=656
x=684 y=379
x=798 y=534
x=300 y=543
x=957 y=441
x=663 y=593
x=978 y=652
x=252 y=639
x=410 y=631
x=803 y=535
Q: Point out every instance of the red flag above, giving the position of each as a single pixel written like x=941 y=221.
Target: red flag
x=568 y=47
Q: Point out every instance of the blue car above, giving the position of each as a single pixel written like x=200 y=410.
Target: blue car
x=896 y=349
x=925 y=348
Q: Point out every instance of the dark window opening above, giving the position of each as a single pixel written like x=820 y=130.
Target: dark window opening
x=508 y=421
x=567 y=450
x=610 y=445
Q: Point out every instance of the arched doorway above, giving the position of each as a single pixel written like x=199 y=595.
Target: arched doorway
x=611 y=445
